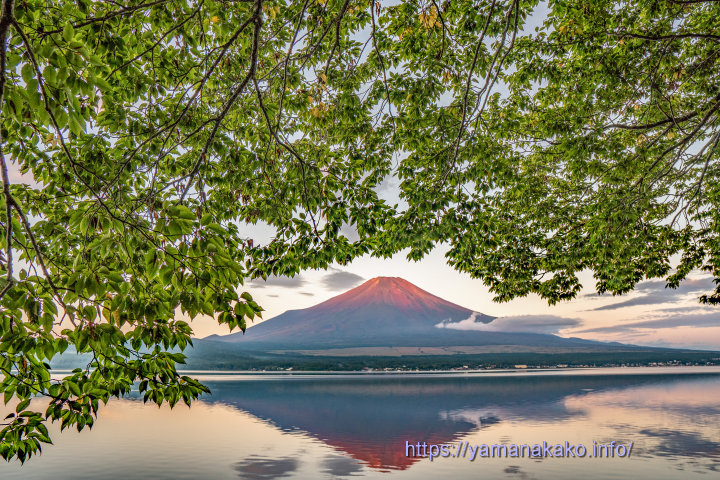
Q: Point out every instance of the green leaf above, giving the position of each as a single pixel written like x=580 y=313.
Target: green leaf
x=74 y=388
x=22 y=405
x=28 y=73
x=68 y=32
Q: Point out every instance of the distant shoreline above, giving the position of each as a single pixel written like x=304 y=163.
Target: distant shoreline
x=686 y=369
x=645 y=371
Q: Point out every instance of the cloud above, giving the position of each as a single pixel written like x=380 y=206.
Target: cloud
x=654 y=292
x=283 y=282
x=334 y=280
x=690 y=308
x=307 y=294
x=645 y=300
x=519 y=323
x=689 y=320
x=338 y=280
x=681 y=444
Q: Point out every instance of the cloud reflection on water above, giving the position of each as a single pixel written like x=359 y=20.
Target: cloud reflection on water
x=261 y=468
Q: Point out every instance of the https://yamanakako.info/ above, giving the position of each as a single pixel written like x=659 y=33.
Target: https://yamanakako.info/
x=471 y=452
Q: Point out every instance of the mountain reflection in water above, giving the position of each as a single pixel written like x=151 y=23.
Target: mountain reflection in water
x=371 y=417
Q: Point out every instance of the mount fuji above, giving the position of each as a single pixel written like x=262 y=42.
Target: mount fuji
x=391 y=316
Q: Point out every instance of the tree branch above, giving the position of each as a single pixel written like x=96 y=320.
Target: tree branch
x=104 y=18
x=649 y=126
x=7 y=16
x=657 y=38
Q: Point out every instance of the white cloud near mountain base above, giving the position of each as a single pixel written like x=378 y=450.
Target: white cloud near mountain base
x=519 y=323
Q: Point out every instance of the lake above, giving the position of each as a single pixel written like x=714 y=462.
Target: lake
x=256 y=426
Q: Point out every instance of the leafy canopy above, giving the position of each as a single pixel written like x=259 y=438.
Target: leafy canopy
x=141 y=138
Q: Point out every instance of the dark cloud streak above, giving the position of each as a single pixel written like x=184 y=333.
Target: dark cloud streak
x=338 y=280
x=654 y=292
x=690 y=320
x=283 y=282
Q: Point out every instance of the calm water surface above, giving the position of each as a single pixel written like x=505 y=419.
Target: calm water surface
x=342 y=426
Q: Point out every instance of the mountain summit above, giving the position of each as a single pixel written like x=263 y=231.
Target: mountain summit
x=391 y=291
x=381 y=314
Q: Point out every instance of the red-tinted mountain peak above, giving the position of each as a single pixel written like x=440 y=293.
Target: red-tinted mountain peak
x=394 y=291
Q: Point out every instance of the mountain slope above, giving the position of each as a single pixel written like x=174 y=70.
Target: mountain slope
x=382 y=312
